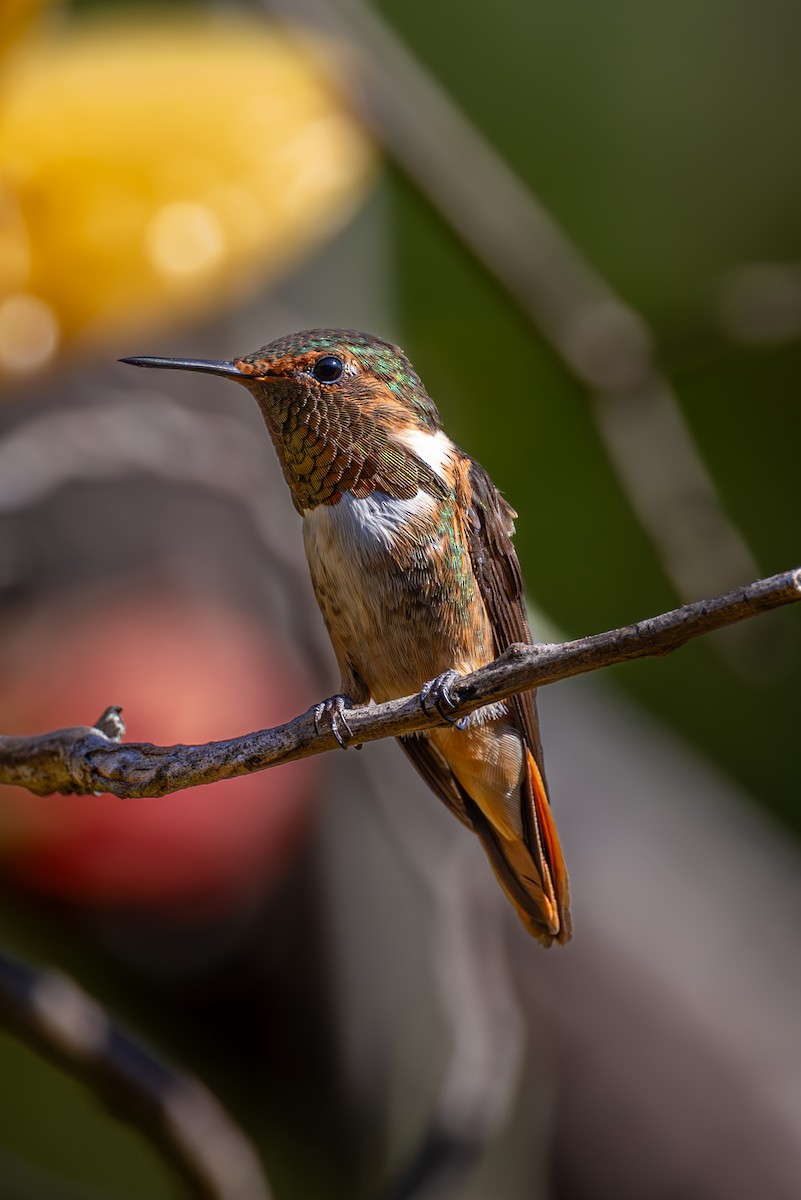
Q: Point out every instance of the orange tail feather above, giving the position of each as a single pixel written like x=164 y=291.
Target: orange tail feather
x=553 y=859
x=531 y=872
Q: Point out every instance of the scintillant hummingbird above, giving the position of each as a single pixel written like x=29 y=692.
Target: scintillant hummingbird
x=409 y=547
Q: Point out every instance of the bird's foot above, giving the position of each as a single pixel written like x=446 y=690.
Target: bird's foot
x=332 y=711
x=437 y=694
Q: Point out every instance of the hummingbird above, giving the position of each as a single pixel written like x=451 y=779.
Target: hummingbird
x=409 y=545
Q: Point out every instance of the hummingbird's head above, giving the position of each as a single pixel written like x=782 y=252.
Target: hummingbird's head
x=331 y=367
x=341 y=407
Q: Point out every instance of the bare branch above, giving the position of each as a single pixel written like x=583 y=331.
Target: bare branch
x=84 y=759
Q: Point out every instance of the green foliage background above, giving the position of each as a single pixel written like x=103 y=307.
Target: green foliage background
x=664 y=139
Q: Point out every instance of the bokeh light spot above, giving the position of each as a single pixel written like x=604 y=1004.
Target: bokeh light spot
x=29 y=332
x=184 y=239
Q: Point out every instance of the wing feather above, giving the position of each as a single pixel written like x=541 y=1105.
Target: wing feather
x=434 y=769
x=500 y=582
x=531 y=871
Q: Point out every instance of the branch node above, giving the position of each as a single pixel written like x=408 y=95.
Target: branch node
x=519 y=650
x=111 y=724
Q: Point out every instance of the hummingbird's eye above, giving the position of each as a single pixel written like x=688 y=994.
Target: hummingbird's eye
x=328 y=369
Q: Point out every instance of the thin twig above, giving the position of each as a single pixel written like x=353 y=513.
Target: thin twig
x=83 y=759
x=174 y=1111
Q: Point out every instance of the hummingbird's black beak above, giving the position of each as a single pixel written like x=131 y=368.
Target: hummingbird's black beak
x=209 y=366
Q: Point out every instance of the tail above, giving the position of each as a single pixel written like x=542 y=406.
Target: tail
x=531 y=870
x=488 y=777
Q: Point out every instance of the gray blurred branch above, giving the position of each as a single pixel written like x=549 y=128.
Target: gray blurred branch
x=86 y=759
x=597 y=335
x=173 y=1111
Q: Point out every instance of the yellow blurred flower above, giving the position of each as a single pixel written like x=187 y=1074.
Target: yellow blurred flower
x=152 y=170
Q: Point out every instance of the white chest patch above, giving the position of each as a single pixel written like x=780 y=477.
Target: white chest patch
x=435 y=449
x=361 y=527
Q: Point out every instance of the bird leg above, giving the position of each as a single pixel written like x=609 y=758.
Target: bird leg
x=437 y=694
x=333 y=710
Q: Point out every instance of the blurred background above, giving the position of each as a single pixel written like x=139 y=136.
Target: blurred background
x=582 y=224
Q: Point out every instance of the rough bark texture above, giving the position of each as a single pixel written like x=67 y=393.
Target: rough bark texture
x=85 y=759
